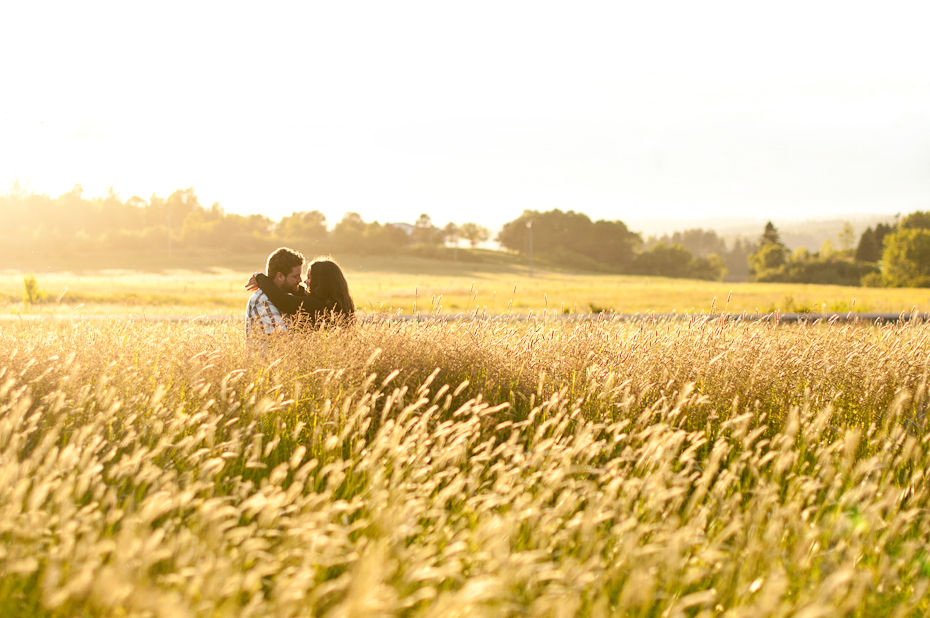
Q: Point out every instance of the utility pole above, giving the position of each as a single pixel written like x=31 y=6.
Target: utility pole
x=529 y=229
x=169 y=232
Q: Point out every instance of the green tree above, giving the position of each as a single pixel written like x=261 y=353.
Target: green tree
x=349 y=233
x=425 y=233
x=770 y=235
x=113 y=213
x=871 y=243
x=664 y=260
x=611 y=242
x=180 y=204
x=32 y=294
x=736 y=259
x=868 y=249
x=384 y=239
x=566 y=234
x=214 y=228
x=881 y=231
x=303 y=227
x=906 y=258
x=805 y=267
x=770 y=255
x=710 y=268
x=918 y=220
x=846 y=237
x=701 y=243
x=451 y=234
x=474 y=233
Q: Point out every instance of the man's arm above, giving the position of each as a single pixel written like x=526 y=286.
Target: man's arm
x=263 y=312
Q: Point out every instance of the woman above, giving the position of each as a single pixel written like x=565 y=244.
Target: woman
x=327 y=298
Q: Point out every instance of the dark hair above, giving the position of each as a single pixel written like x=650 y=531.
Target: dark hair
x=283 y=261
x=329 y=284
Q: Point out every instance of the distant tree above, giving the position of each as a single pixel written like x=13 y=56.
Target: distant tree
x=736 y=259
x=906 y=258
x=155 y=212
x=701 y=243
x=451 y=234
x=180 y=204
x=551 y=230
x=710 y=268
x=871 y=243
x=67 y=209
x=424 y=232
x=881 y=231
x=611 y=242
x=608 y=243
x=384 y=239
x=32 y=294
x=474 y=233
x=664 y=260
x=214 y=228
x=72 y=222
x=770 y=235
x=805 y=267
x=173 y=211
x=847 y=237
x=198 y=228
x=770 y=255
x=918 y=220
x=113 y=213
x=306 y=227
x=771 y=260
x=136 y=202
x=349 y=233
x=868 y=250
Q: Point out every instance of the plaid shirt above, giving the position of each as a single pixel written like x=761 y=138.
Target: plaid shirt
x=262 y=317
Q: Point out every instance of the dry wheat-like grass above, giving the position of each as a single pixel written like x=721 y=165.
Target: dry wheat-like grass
x=482 y=468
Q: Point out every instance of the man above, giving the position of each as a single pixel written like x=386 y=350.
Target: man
x=262 y=317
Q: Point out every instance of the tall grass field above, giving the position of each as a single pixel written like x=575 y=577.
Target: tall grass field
x=707 y=467
x=417 y=285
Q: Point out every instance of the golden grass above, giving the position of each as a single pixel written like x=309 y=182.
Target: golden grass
x=484 y=468
x=388 y=285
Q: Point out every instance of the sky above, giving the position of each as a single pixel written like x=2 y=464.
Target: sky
x=475 y=111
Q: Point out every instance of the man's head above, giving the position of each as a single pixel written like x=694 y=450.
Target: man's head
x=284 y=268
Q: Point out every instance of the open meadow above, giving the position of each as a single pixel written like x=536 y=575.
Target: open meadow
x=695 y=468
x=498 y=283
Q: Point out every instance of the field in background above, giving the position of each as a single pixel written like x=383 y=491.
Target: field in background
x=434 y=469
x=499 y=283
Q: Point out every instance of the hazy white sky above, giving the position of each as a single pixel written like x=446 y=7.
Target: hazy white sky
x=475 y=111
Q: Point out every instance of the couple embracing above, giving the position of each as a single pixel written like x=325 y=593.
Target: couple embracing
x=281 y=303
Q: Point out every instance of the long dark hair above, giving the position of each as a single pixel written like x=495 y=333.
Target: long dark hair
x=329 y=284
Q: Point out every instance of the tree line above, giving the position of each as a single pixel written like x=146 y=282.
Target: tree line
x=573 y=239
x=72 y=223
x=888 y=255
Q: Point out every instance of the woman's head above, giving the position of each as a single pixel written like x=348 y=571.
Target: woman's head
x=325 y=280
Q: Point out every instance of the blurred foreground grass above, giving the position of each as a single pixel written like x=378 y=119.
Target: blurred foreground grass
x=535 y=469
